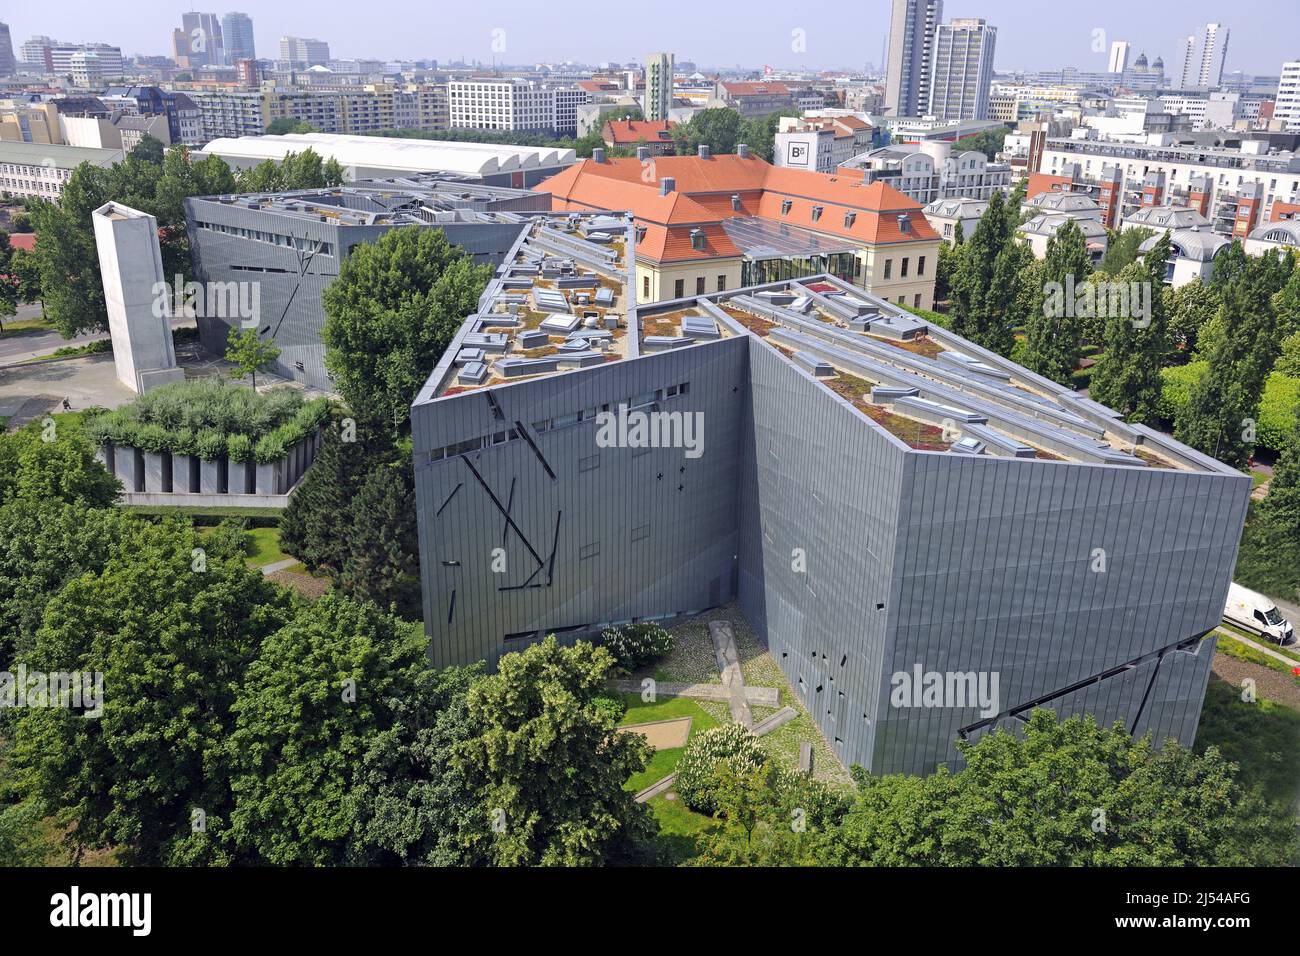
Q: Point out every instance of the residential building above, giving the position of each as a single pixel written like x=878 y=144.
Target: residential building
x=514 y=104
x=1166 y=219
x=962 y=70
x=373 y=157
x=1038 y=231
x=8 y=65
x=1189 y=72
x=874 y=513
x=1214 y=49
x=41 y=169
x=755 y=99
x=930 y=171
x=945 y=215
x=1118 y=56
x=237 y=37
x=656 y=135
x=119 y=131
x=1192 y=254
x=711 y=223
x=1287 y=104
x=912 y=28
x=658 y=86
x=293 y=245
x=1275 y=236
x=23 y=122
x=301 y=53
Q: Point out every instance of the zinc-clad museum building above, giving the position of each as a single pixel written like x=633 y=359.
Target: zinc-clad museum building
x=875 y=493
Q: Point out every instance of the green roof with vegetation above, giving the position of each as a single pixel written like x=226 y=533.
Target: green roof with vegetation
x=211 y=418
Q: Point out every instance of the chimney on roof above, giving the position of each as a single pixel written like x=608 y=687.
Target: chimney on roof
x=598 y=155
x=742 y=150
x=704 y=150
x=643 y=153
x=666 y=185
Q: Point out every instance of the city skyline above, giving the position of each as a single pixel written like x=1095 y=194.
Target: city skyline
x=518 y=34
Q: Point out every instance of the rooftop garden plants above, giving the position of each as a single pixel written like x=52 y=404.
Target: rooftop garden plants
x=211 y=418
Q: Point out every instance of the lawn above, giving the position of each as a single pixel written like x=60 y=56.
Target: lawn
x=19 y=327
x=1262 y=738
x=264 y=547
x=679 y=829
x=663 y=762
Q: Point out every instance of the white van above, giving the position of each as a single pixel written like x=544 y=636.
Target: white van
x=1254 y=612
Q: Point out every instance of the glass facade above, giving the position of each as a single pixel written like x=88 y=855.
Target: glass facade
x=758 y=271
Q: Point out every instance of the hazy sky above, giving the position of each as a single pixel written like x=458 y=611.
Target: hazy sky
x=835 y=33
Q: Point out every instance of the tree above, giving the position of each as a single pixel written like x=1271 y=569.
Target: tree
x=988 y=141
x=1278 y=516
x=1122 y=249
x=43 y=545
x=289 y=124
x=1066 y=793
x=9 y=285
x=26 y=275
x=321 y=687
x=171 y=627
x=249 y=353
x=1053 y=329
x=47 y=461
x=548 y=765
x=1193 y=305
x=984 y=283
x=149 y=150
x=1127 y=376
x=391 y=313
x=410 y=804
x=1240 y=345
x=719 y=128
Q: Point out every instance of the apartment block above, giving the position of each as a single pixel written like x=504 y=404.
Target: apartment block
x=931 y=171
x=514 y=104
x=913 y=25
x=302 y=52
x=658 y=101
x=875 y=511
x=1219 y=181
x=962 y=69
x=1287 y=105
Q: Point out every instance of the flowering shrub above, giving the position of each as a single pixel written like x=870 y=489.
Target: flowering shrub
x=636 y=645
x=697 y=769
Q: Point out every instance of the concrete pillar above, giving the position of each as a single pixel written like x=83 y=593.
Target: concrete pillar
x=154 y=471
x=213 y=477
x=129 y=468
x=185 y=474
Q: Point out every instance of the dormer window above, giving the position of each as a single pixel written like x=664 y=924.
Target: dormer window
x=697 y=240
x=735 y=202
x=904 y=224
x=640 y=233
x=785 y=207
x=849 y=219
x=816 y=213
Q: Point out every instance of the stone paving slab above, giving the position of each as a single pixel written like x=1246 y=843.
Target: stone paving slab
x=773 y=721
x=757 y=696
x=733 y=679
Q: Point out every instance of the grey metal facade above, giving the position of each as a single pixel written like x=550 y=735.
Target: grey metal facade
x=855 y=556
x=229 y=243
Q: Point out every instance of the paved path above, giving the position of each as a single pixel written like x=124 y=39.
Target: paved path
x=773 y=721
x=656 y=788
x=733 y=680
x=757 y=696
x=279 y=565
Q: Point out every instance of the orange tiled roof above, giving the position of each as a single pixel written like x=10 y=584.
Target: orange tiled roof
x=629 y=132
x=702 y=197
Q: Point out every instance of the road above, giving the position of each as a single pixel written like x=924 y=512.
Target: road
x=16 y=346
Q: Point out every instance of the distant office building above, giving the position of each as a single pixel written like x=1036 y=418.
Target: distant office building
x=237 y=35
x=300 y=52
x=107 y=63
x=1287 y=105
x=963 y=69
x=1189 y=66
x=658 y=86
x=36 y=53
x=199 y=41
x=912 y=30
x=8 y=65
x=1118 y=56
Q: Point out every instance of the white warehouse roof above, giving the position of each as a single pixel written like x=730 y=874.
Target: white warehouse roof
x=381 y=152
